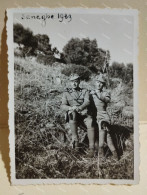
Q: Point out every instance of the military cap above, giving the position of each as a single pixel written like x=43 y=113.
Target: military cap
x=74 y=77
x=101 y=79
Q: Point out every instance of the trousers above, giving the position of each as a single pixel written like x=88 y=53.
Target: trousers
x=104 y=134
x=75 y=120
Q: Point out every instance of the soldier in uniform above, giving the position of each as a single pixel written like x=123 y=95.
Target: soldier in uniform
x=101 y=97
x=75 y=102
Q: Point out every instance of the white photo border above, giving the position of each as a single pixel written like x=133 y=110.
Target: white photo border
x=10 y=13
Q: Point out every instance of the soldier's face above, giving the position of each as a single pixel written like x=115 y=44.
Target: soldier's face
x=99 y=85
x=75 y=83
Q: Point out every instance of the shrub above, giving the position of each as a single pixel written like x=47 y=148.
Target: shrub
x=82 y=71
x=33 y=43
x=45 y=59
x=122 y=71
x=85 y=52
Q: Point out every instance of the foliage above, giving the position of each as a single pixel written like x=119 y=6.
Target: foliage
x=43 y=44
x=45 y=59
x=129 y=74
x=34 y=45
x=24 y=36
x=119 y=70
x=82 y=71
x=84 y=52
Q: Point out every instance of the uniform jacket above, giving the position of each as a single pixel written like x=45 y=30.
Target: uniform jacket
x=72 y=97
x=100 y=102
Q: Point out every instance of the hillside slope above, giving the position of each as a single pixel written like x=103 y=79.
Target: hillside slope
x=42 y=137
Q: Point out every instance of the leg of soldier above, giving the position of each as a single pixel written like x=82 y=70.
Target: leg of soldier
x=74 y=128
x=90 y=132
x=111 y=145
x=102 y=134
x=96 y=137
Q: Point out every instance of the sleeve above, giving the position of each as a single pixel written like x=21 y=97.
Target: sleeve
x=105 y=96
x=65 y=105
x=86 y=100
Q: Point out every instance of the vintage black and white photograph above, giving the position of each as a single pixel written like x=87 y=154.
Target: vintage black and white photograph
x=73 y=111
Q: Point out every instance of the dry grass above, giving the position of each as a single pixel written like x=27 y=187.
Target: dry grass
x=43 y=139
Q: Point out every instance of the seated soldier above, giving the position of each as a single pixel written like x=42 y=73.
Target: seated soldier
x=101 y=98
x=75 y=102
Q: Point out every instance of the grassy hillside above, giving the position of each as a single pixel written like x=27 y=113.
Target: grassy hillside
x=43 y=139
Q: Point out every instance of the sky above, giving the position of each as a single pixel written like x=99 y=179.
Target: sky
x=112 y=32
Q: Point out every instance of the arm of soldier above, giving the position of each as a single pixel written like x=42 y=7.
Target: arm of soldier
x=105 y=96
x=64 y=105
x=86 y=101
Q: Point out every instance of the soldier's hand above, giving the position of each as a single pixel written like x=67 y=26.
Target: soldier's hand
x=73 y=108
x=79 y=109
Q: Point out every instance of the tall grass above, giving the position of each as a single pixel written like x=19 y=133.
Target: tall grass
x=42 y=139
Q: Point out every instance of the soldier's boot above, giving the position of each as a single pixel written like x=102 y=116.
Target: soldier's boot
x=111 y=147
x=91 y=138
x=96 y=146
x=73 y=127
x=101 y=155
x=75 y=145
x=115 y=156
x=90 y=153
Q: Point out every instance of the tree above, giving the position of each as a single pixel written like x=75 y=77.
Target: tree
x=129 y=73
x=24 y=36
x=82 y=71
x=117 y=70
x=38 y=45
x=45 y=53
x=84 y=52
x=43 y=44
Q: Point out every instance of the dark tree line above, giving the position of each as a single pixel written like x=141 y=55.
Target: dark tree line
x=77 y=51
x=124 y=72
x=83 y=55
x=34 y=45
